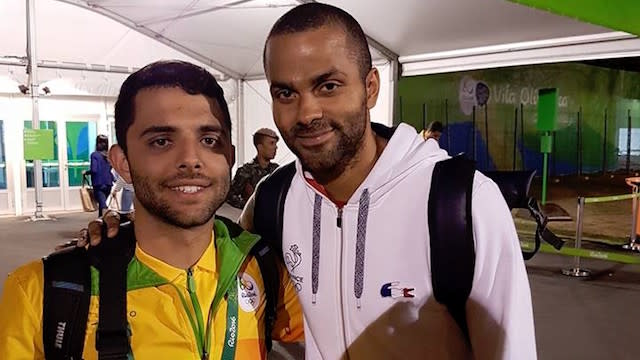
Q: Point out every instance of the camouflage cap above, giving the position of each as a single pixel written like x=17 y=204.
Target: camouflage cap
x=267 y=132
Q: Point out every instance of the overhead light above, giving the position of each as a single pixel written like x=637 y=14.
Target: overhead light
x=25 y=89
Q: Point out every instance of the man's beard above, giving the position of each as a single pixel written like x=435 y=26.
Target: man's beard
x=162 y=209
x=329 y=162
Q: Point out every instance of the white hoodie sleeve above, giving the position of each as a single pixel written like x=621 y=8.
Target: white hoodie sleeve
x=499 y=310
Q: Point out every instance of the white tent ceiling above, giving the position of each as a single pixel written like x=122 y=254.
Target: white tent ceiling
x=225 y=34
x=229 y=34
x=66 y=33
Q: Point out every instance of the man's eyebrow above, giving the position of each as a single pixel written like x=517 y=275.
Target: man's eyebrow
x=279 y=85
x=210 y=128
x=324 y=76
x=157 y=129
x=315 y=80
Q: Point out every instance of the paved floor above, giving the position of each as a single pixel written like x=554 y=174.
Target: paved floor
x=575 y=319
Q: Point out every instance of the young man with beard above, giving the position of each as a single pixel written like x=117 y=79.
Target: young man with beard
x=174 y=146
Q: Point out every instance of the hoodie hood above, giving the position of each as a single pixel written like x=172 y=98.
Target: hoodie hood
x=405 y=149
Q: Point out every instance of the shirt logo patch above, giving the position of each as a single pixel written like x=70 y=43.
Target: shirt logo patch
x=393 y=290
x=293 y=258
x=248 y=293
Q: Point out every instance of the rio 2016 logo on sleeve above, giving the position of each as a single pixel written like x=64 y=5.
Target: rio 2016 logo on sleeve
x=248 y=293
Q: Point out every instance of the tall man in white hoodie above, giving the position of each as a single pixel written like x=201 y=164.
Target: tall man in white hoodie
x=355 y=229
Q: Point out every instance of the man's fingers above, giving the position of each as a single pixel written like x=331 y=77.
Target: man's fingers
x=66 y=245
x=131 y=215
x=95 y=233
x=112 y=220
x=83 y=238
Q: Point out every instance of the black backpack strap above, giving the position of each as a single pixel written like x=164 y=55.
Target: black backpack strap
x=270 y=195
x=451 y=234
x=65 y=308
x=267 y=262
x=267 y=222
x=112 y=258
x=542 y=231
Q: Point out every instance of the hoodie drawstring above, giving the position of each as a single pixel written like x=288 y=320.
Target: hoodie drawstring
x=315 y=264
x=361 y=235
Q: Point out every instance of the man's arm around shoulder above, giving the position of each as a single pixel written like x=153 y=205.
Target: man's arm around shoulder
x=289 y=326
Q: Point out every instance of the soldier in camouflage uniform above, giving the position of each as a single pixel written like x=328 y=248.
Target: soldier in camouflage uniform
x=247 y=176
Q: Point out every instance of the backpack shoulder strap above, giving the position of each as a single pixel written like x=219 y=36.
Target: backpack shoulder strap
x=269 y=270
x=65 y=308
x=451 y=236
x=270 y=195
x=112 y=258
x=267 y=222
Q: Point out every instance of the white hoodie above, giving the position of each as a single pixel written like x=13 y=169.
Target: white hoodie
x=355 y=279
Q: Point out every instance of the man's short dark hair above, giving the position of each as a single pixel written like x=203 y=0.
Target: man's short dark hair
x=435 y=126
x=193 y=79
x=259 y=138
x=312 y=16
x=262 y=134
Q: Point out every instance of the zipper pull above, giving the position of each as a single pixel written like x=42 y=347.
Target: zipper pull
x=339 y=219
x=191 y=284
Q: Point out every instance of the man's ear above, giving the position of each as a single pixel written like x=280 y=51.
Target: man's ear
x=372 y=84
x=120 y=163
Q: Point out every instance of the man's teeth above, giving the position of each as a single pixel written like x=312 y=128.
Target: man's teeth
x=188 y=189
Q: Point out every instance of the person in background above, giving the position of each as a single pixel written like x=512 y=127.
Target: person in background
x=100 y=170
x=126 y=200
x=247 y=177
x=433 y=131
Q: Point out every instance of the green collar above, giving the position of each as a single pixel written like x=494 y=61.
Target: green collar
x=230 y=255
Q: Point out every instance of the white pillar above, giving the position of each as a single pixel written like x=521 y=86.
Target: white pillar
x=240 y=122
x=34 y=88
x=394 y=111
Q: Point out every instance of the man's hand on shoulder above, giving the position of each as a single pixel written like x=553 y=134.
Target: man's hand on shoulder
x=92 y=234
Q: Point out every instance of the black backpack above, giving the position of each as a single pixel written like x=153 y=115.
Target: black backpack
x=450 y=223
x=67 y=292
